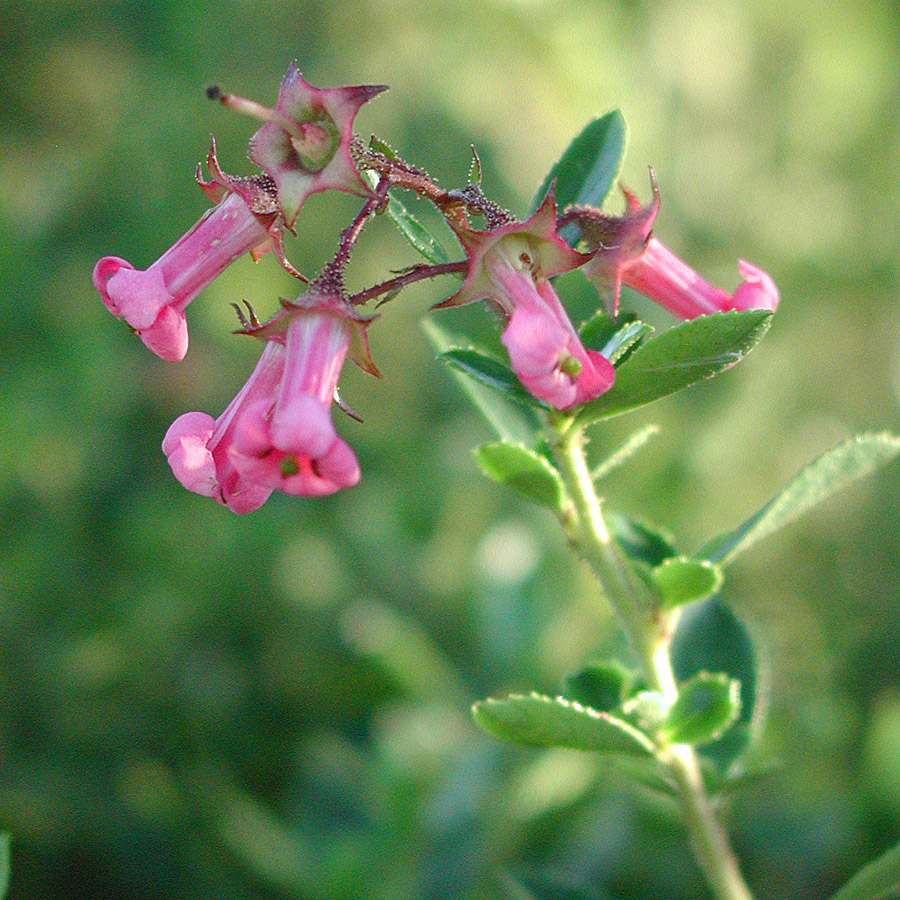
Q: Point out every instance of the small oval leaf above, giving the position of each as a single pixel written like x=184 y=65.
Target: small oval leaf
x=680 y=580
x=677 y=358
x=529 y=474
x=601 y=686
x=639 y=541
x=710 y=638
x=539 y=721
x=707 y=705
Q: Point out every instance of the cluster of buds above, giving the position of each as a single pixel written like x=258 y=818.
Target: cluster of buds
x=277 y=433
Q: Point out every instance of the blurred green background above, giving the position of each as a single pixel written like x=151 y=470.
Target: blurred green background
x=195 y=704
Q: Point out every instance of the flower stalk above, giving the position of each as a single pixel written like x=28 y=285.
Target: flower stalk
x=649 y=631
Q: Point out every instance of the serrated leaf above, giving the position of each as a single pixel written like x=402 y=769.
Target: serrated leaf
x=588 y=167
x=679 y=580
x=879 y=880
x=513 y=422
x=612 y=339
x=538 y=721
x=491 y=373
x=599 y=328
x=5 y=865
x=639 y=541
x=707 y=705
x=831 y=472
x=527 y=473
x=409 y=226
x=677 y=358
x=601 y=686
x=709 y=637
x=618 y=457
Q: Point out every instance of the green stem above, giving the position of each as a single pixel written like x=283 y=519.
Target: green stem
x=634 y=604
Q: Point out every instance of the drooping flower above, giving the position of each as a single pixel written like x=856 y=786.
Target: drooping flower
x=511 y=265
x=197 y=445
x=152 y=301
x=278 y=434
x=305 y=143
x=625 y=252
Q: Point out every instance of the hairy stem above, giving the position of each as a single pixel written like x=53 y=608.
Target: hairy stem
x=634 y=604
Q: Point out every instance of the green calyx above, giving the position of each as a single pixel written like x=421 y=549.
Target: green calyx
x=315 y=139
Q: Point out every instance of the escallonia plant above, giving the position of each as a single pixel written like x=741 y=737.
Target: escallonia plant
x=678 y=710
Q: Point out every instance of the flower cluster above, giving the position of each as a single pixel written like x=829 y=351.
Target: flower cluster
x=277 y=433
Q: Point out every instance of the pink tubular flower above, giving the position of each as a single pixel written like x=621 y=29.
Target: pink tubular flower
x=277 y=433
x=153 y=301
x=626 y=253
x=305 y=143
x=510 y=265
x=197 y=446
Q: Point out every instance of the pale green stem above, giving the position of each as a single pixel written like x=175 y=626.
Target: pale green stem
x=634 y=604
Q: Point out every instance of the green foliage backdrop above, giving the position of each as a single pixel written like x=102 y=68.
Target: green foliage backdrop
x=195 y=704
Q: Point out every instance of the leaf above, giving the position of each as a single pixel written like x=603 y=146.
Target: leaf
x=677 y=358
x=601 y=686
x=538 y=721
x=5 y=864
x=879 y=880
x=679 y=580
x=706 y=706
x=513 y=422
x=527 y=473
x=491 y=373
x=409 y=226
x=612 y=339
x=639 y=541
x=588 y=167
x=618 y=457
x=710 y=638
x=832 y=471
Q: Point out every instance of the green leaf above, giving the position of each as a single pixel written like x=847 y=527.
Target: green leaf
x=677 y=358
x=416 y=233
x=832 y=471
x=601 y=686
x=679 y=580
x=613 y=339
x=639 y=541
x=491 y=373
x=513 y=422
x=587 y=169
x=538 y=721
x=5 y=865
x=618 y=457
x=527 y=473
x=879 y=880
x=706 y=706
x=710 y=638
x=410 y=227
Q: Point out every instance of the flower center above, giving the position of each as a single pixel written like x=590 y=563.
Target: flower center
x=316 y=141
x=288 y=466
x=571 y=366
